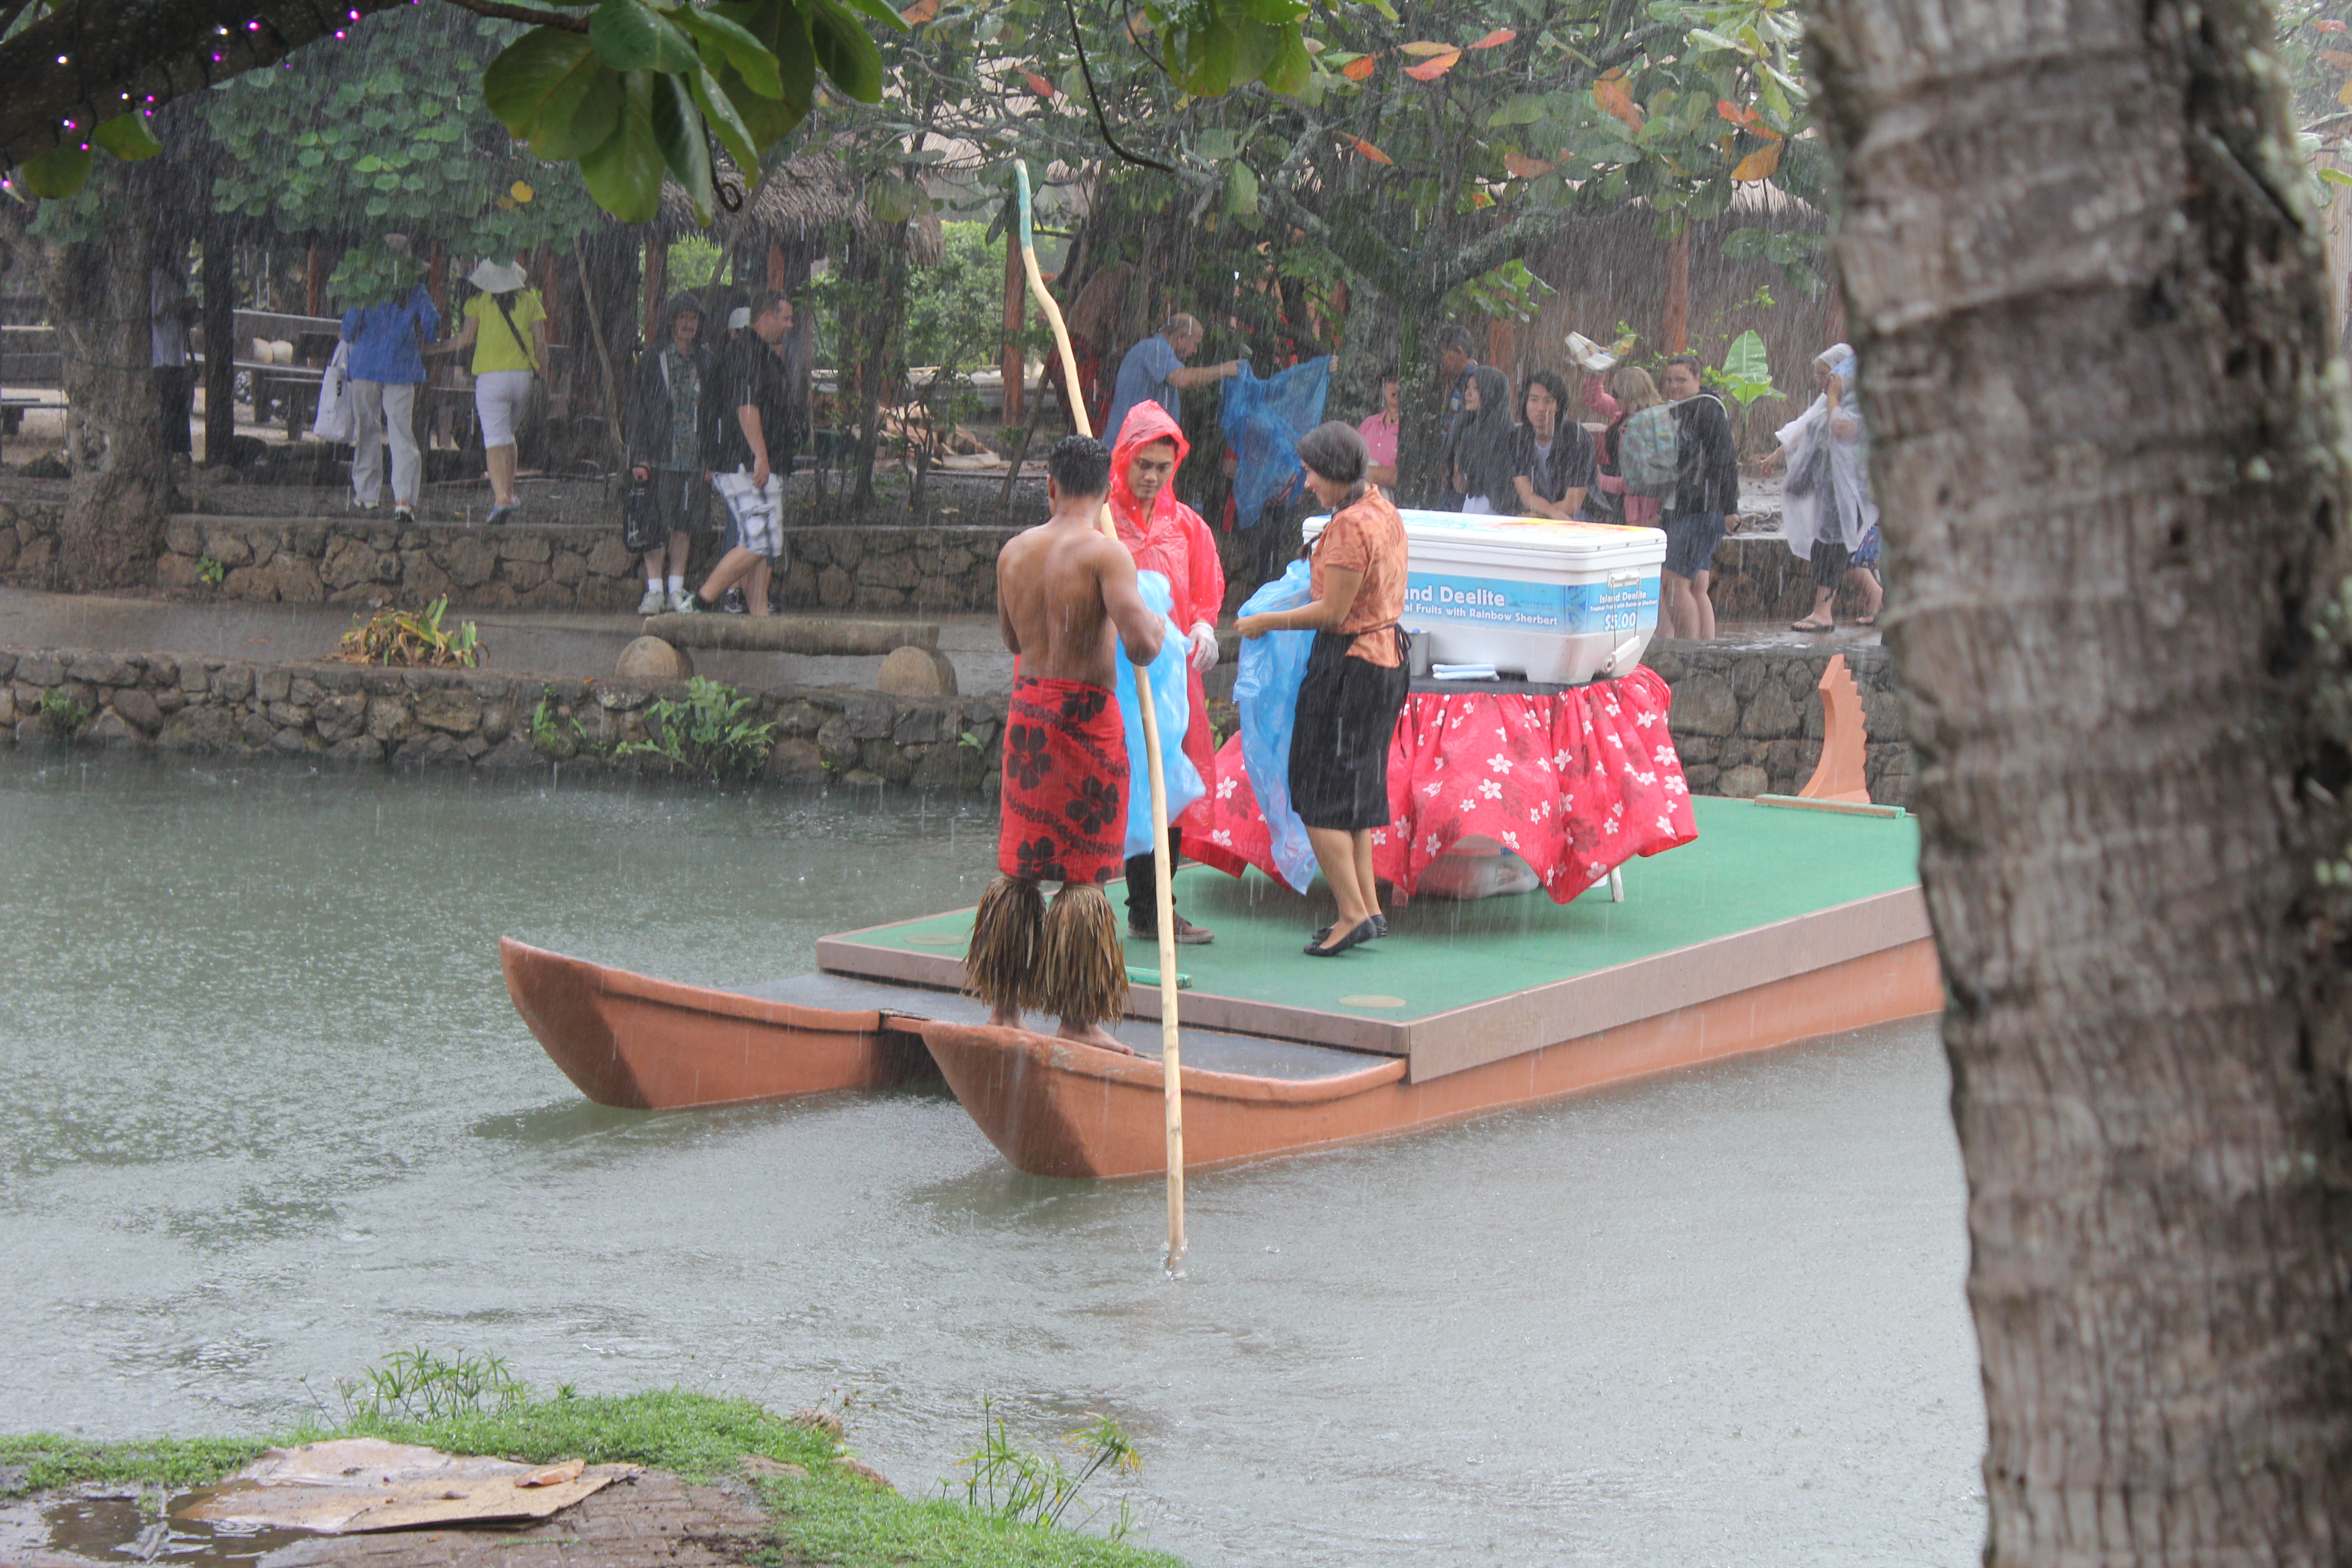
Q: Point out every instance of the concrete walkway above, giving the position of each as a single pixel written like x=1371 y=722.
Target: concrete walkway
x=519 y=642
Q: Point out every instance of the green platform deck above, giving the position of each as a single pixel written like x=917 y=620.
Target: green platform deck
x=1752 y=868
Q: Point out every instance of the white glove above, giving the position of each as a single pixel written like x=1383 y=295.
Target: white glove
x=1205 y=647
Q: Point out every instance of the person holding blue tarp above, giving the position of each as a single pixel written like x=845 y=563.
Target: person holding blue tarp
x=1356 y=680
x=1262 y=421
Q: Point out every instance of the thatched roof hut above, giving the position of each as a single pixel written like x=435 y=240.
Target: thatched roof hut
x=799 y=206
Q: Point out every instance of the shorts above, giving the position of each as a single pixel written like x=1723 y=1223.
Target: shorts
x=1829 y=562
x=502 y=399
x=1691 y=539
x=756 y=516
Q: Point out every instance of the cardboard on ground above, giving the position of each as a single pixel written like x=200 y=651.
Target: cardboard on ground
x=359 y=1484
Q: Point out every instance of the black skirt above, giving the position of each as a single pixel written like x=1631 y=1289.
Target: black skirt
x=1340 y=748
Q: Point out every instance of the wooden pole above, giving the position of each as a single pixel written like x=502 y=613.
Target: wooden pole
x=1170 y=1064
x=1011 y=362
x=1677 y=322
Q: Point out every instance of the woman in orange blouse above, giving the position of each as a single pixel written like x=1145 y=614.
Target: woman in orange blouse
x=1355 y=679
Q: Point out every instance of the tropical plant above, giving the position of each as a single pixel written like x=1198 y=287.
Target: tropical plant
x=1017 y=1486
x=419 y=1386
x=411 y=639
x=61 y=712
x=1745 y=376
x=707 y=735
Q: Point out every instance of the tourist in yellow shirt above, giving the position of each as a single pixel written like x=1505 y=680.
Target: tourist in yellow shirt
x=506 y=326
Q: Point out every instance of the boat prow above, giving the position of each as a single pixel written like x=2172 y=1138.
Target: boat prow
x=642 y=1043
x=1062 y=1107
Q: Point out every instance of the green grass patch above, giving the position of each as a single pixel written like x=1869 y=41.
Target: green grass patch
x=472 y=1407
x=172 y=1463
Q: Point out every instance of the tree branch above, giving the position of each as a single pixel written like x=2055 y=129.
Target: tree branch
x=564 y=20
x=1095 y=99
x=94 y=59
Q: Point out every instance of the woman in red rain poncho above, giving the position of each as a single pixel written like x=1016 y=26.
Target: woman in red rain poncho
x=1164 y=535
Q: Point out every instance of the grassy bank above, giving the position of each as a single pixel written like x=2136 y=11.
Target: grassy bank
x=832 y=1516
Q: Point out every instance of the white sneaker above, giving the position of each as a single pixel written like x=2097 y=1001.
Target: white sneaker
x=678 y=598
x=651 y=605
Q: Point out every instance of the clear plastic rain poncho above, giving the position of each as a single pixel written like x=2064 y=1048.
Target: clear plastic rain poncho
x=1169 y=697
x=1826 y=496
x=1266 y=689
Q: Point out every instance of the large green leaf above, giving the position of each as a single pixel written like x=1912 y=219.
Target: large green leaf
x=735 y=46
x=127 y=137
x=60 y=171
x=677 y=130
x=625 y=173
x=844 y=51
x=1259 y=47
x=778 y=26
x=1208 y=59
x=881 y=12
x=550 y=88
x=1293 y=66
x=630 y=36
x=718 y=113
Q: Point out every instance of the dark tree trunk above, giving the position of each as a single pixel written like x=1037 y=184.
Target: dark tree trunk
x=220 y=341
x=2108 y=432
x=121 y=487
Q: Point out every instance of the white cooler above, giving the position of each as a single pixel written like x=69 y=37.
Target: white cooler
x=1559 y=602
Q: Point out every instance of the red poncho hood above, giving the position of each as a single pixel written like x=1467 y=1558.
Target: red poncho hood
x=1146 y=422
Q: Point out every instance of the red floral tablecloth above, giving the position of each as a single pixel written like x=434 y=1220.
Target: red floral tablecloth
x=1575 y=783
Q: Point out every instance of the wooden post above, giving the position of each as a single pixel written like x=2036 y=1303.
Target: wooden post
x=314 y=280
x=1677 y=322
x=657 y=284
x=1010 y=359
x=775 y=267
x=1837 y=314
x=436 y=280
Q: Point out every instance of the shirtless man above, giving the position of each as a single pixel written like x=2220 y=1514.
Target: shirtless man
x=1065 y=597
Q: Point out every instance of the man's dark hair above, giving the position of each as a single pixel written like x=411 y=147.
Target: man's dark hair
x=1334 y=450
x=1552 y=384
x=1696 y=365
x=1457 y=336
x=1079 y=467
x=768 y=299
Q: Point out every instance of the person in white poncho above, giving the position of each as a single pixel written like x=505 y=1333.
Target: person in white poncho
x=1825 y=503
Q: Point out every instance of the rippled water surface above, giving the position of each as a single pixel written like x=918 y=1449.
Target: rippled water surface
x=271 y=1115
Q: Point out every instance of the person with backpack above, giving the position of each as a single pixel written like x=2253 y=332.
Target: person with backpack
x=1636 y=457
x=506 y=326
x=1707 y=489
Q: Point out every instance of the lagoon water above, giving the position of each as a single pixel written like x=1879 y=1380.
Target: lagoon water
x=271 y=1117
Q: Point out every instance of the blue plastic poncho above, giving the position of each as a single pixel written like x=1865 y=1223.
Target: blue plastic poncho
x=1168 y=696
x=1263 y=421
x=1266 y=689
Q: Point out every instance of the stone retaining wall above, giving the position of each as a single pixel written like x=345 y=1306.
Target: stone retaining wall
x=28 y=538
x=1747 y=720
x=362 y=715
x=555 y=566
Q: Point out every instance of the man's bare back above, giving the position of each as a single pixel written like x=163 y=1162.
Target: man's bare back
x=1064 y=592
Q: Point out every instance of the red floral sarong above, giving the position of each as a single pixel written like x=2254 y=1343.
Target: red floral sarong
x=1065 y=802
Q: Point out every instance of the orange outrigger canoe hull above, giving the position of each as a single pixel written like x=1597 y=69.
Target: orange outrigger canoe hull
x=1055 y=1108
x=641 y=1044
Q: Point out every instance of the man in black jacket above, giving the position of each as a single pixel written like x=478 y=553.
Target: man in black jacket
x=1706 y=488
x=752 y=451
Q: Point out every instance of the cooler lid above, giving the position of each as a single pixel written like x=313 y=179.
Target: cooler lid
x=1452 y=534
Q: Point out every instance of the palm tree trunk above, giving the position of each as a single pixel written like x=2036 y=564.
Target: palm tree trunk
x=2099 y=370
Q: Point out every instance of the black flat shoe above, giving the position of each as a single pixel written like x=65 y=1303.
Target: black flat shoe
x=1363 y=933
x=1380 y=928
